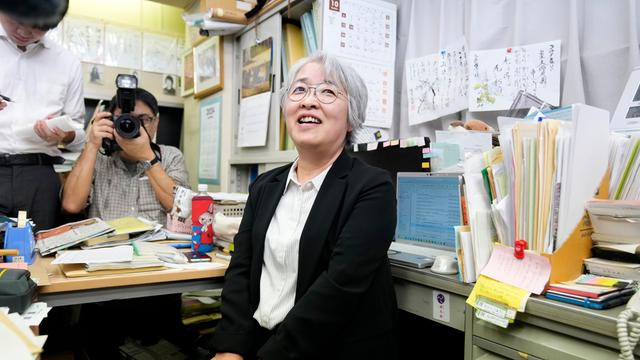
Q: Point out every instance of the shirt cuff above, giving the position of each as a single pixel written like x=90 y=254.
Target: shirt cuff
x=78 y=141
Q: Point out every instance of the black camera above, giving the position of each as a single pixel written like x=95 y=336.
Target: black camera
x=126 y=125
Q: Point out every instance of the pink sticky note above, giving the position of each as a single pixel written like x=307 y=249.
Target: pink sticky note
x=530 y=273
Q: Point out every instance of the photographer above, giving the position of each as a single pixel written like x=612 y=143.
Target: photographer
x=135 y=180
x=39 y=80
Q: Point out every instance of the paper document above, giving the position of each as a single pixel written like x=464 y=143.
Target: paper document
x=512 y=296
x=96 y=256
x=530 y=273
x=62 y=237
x=469 y=141
x=64 y=122
x=254 y=120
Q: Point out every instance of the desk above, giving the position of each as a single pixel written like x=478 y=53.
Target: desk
x=547 y=329
x=70 y=291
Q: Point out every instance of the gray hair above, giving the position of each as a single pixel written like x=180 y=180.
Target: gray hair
x=345 y=77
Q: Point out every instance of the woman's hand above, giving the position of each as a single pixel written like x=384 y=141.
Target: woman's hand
x=227 y=356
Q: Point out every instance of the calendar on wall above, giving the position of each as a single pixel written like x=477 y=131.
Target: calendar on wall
x=363 y=33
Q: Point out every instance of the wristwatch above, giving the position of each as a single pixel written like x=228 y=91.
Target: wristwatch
x=146 y=165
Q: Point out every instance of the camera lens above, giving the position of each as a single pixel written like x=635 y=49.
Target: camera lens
x=127 y=126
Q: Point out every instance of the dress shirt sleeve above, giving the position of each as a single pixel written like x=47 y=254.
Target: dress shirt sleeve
x=313 y=324
x=74 y=106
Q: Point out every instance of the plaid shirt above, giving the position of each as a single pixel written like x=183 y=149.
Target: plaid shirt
x=118 y=192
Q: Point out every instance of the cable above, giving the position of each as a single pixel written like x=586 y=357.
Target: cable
x=628 y=326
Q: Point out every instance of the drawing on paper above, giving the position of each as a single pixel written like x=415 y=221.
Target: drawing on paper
x=496 y=76
x=437 y=84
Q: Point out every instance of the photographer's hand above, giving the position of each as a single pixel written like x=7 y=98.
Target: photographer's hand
x=136 y=149
x=101 y=128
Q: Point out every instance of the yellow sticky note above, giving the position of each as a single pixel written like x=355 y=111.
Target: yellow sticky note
x=510 y=295
x=425 y=165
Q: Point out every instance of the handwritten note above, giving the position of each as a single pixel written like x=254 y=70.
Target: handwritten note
x=85 y=39
x=437 y=84
x=495 y=76
x=123 y=47
x=254 y=120
x=512 y=296
x=530 y=273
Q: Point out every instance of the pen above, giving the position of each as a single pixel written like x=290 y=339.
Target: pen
x=6 y=98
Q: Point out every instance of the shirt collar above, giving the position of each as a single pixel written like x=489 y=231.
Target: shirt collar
x=316 y=181
x=45 y=42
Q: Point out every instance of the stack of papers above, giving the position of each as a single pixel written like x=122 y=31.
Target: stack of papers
x=62 y=237
x=625 y=167
x=124 y=229
x=555 y=166
x=110 y=258
x=17 y=341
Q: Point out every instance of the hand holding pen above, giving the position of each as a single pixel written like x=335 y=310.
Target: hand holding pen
x=4 y=100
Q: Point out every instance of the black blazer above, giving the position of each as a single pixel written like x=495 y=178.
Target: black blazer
x=345 y=306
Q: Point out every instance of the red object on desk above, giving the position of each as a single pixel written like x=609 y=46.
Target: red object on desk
x=518 y=248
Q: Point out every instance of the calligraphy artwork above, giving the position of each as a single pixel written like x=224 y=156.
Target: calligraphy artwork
x=437 y=83
x=496 y=76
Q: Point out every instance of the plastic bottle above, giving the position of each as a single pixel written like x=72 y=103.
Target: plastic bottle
x=202 y=216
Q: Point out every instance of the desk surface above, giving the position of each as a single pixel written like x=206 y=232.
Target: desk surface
x=68 y=291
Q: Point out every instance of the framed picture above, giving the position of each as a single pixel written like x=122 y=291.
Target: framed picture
x=186 y=86
x=208 y=67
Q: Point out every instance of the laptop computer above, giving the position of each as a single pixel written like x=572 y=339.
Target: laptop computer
x=428 y=209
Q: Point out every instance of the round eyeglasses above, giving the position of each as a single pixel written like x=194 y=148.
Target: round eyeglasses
x=146 y=119
x=326 y=93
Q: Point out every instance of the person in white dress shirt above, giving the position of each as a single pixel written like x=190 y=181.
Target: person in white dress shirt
x=42 y=81
x=310 y=278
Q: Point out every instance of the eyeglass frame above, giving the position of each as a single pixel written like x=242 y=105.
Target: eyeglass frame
x=315 y=93
x=146 y=119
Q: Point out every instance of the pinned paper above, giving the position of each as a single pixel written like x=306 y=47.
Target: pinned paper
x=530 y=273
x=512 y=296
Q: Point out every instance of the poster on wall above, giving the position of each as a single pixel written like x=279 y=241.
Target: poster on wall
x=123 y=47
x=85 y=39
x=364 y=34
x=437 y=83
x=256 y=68
x=495 y=76
x=209 y=160
x=159 y=53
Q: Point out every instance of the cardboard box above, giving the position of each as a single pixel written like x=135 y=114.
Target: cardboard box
x=230 y=5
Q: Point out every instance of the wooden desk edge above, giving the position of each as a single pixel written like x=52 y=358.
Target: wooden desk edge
x=60 y=283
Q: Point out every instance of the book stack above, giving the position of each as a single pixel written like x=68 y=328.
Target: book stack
x=591 y=291
x=616 y=238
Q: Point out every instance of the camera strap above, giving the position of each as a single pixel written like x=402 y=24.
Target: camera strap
x=155 y=147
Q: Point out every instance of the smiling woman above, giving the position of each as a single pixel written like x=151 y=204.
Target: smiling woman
x=333 y=217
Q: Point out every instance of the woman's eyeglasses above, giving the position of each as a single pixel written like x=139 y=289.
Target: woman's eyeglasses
x=326 y=93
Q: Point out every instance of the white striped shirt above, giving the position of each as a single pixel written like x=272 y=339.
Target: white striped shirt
x=280 y=259
x=45 y=80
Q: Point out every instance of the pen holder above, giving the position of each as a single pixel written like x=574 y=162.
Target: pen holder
x=22 y=240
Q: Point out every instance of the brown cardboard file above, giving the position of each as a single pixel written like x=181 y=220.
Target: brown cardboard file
x=567 y=261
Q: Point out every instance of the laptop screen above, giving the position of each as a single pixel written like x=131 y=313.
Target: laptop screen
x=428 y=210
